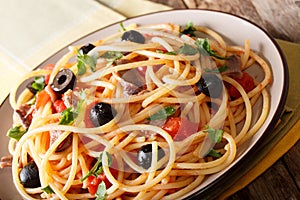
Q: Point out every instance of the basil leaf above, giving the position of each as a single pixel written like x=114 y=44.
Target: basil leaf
x=16 y=132
x=214 y=153
x=204 y=48
x=163 y=113
x=48 y=190
x=101 y=191
x=189 y=30
x=39 y=83
x=187 y=50
x=68 y=116
x=215 y=135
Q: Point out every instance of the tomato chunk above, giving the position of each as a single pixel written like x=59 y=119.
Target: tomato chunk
x=246 y=81
x=180 y=128
x=59 y=106
x=41 y=99
x=48 y=67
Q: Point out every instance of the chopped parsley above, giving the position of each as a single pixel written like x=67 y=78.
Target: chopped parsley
x=84 y=60
x=48 y=190
x=163 y=113
x=189 y=30
x=68 y=116
x=101 y=191
x=214 y=153
x=39 y=83
x=204 y=48
x=215 y=135
x=97 y=168
x=16 y=132
x=220 y=69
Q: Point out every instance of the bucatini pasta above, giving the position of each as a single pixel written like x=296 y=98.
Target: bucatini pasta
x=147 y=113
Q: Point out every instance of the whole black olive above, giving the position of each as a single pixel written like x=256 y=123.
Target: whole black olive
x=144 y=156
x=64 y=80
x=29 y=176
x=133 y=36
x=101 y=114
x=85 y=49
x=211 y=85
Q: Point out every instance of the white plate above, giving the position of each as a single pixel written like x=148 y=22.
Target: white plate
x=235 y=30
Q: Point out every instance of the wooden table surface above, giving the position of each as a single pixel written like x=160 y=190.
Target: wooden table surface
x=281 y=18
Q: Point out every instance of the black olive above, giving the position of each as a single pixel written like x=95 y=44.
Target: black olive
x=133 y=36
x=64 y=80
x=29 y=176
x=85 y=49
x=101 y=114
x=144 y=155
x=211 y=85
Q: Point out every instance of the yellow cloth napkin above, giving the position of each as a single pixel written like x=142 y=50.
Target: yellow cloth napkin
x=32 y=30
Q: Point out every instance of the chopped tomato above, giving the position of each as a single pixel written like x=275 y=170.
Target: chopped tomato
x=246 y=81
x=92 y=181
x=59 y=105
x=41 y=99
x=48 y=67
x=180 y=128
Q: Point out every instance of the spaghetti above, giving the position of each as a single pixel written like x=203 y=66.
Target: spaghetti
x=146 y=113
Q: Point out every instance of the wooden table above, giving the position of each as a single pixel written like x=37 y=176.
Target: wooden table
x=282 y=20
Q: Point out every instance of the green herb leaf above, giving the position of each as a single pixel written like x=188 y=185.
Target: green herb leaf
x=97 y=168
x=101 y=191
x=163 y=113
x=122 y=26
x=170 y=53
x=48 y=190
x=68 y=116
x=215 y=135
x=204 y=48
x=84 y=60
x=189 y=30
x=16 y=132
x=187 y=50
x=39 y=83
x=223 y=68
x=214 y=153
x=112 y=55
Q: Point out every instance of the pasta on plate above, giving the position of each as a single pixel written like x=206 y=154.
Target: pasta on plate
x=148 y=112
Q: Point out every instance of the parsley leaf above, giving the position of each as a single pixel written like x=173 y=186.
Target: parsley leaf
x=204 y=48
x=84 y=60
x=163 y=113
x=215 y=135
x=122 y=26
x=16 y=132
x=39 y=83
x=214 y=153
x=187 y=50
x=97 y=168
x=68 y=116
x=101 y=191
x=189 y=30
x=48 y=190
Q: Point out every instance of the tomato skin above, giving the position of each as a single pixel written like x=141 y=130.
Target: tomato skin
x=48 y=67
x=180 y=128
x=246 y=81
x=59 y=106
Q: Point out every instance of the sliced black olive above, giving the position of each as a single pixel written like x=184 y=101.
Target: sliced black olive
x=144 y=155
x=211 y=85
x=101 y=114
x=85 y=49
x=29 y=176
x=133 y=36
x=64 y=80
